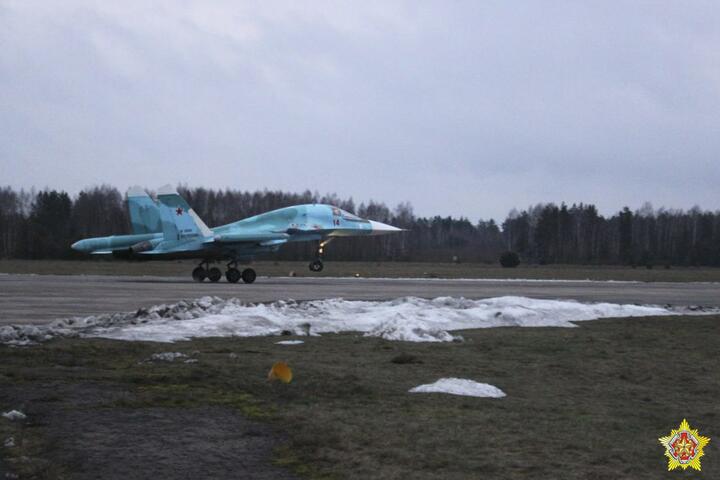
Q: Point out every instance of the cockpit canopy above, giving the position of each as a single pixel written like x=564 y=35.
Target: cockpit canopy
x=339 y=212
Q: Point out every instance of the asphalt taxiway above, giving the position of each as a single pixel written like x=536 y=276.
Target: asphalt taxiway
x=40 y=298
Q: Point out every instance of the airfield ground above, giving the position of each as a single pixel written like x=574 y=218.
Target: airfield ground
x=587 y=402
x=41 y=298
x=375 y=269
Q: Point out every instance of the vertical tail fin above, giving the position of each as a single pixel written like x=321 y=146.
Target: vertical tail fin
x=179 y=220
x=144 y=213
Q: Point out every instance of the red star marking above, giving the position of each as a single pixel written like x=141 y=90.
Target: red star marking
x=179 y=211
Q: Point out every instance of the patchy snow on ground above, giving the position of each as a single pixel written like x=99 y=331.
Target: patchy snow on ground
x=403 y=330
x=166 y=356
x=479 y=280
x=14 y=415
x=404 y=319
x=9 y=442
x=289 y=342
x=460 y=386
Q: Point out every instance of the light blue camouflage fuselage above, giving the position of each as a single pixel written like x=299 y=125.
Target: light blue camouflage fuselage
x=170 y=229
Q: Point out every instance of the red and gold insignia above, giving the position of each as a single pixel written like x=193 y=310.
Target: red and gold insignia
x=684 y=447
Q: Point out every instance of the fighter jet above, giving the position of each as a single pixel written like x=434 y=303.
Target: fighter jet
x=170 y=229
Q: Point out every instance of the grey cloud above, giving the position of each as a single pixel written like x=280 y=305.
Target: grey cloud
x=465 y=108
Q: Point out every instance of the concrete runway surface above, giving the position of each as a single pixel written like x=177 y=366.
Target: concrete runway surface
x=40 y=298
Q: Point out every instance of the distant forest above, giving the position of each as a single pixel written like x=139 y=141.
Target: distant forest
x=43 y=224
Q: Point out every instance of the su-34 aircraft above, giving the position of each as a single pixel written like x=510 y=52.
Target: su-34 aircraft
x=170 y=229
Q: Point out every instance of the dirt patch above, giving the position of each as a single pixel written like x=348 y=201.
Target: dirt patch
x=73 y=431
x=125 y=444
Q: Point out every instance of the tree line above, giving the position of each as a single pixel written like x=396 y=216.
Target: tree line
x=43 y=224
x=579 y=234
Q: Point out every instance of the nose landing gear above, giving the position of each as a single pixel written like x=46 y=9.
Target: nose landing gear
x=317 y=264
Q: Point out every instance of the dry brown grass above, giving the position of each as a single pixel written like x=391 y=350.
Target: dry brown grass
x=582 y=403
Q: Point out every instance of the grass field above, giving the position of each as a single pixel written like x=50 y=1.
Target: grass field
x=582 y=403
x=374 y=269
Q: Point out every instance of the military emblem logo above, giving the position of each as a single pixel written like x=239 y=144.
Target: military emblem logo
x=684 y=447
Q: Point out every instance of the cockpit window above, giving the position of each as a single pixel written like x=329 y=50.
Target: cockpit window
x=350 y=217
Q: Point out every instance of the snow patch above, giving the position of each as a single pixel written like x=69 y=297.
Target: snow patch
x=167 y=357
x=460 y=386
x=397 y=329
x=405 y=319
x=14 y=415
x=486 y=280
x=9 y=442
x=21 y=335
x=289 y=342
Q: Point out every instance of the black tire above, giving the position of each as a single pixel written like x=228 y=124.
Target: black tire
x=316 y=266
x=249 y=275
x=199 y=274
x=214 y=274
x=232 y=275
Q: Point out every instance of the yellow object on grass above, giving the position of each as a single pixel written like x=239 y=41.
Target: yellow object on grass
x=280 y=371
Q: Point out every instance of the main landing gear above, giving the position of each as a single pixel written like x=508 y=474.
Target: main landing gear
x=233 y=275
x=203 y=271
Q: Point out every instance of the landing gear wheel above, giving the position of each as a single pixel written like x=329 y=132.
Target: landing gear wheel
x=248 y=275
x=316 y=266
x=232 y=275
x=214 y=274
x=199 y=274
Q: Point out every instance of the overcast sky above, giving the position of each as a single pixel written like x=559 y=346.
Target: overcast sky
x=461 y=108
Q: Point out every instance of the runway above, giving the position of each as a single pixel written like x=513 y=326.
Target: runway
x=40 y=298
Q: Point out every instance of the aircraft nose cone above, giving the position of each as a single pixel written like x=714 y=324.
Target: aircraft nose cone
x=77 y=246
x=379 y=228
